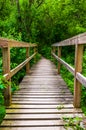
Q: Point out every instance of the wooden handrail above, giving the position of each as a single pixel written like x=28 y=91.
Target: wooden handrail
x=79 y=41
x=81 y=78
x=6 y=44
x=13 y=43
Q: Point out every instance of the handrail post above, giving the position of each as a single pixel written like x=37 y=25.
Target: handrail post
x=54 y=51
x=35 y=50
x=28 y=64
x=78 y=68
x=6 y=69
x=59 y=55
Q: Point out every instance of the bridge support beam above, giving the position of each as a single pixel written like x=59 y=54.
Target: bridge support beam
x=35 y=50
x=28 y=64
x=6 y=69
x=54 y=51
x=78 y=68
x=59 y=55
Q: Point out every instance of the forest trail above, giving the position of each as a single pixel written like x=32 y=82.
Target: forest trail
x=41 y=102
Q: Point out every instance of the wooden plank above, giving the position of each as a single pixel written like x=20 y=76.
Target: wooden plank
x=42 y=89
x=32 y=128
x=42 y=103
x=43 y=93
x=69 y=106
x=71 y=69
x=33 y=123
x=41 y=99
x=79 y=39
x=56 y=86
x=40 y=96
x=41 y=116
x=43 y=111
x=78 y=68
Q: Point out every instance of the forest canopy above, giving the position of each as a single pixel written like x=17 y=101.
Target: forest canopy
x=42 y=21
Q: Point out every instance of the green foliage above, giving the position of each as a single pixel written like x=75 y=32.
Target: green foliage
x=1 y=99
x=3 y=83
x=2 y=113
x=68 y=78
x=14 y=87
x=2 y=108
x=60 y=107
x=73 y=123
x=83 y=99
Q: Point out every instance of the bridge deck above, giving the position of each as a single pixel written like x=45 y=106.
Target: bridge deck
x=41 y=102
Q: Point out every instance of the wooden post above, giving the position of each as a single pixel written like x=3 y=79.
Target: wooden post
x=78 y=68
x=6 y=69
x=59 y=55
x=51 y=52
x=28 y=64
x=54 y=51
x=35 y=55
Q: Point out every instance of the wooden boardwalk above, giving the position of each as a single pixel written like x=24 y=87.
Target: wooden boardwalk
x=36 y=105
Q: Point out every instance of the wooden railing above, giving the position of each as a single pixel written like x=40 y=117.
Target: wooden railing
x=78 y=41
x=6 y=44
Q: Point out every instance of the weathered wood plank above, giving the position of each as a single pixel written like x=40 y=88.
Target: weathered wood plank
x=13 y=106
x=41 y=116
x=39 y=96
x=42 y=93
x=43 y=103
x=36 y=128
x=42 y=100
x=43 y=111
x=32 y=123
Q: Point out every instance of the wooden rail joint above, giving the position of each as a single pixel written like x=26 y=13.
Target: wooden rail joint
x=6 y=44
x=78 y=41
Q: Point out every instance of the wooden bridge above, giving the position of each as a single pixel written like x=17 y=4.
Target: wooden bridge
x=43 y=99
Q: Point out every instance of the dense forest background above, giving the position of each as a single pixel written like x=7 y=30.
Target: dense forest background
x=43 y=22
